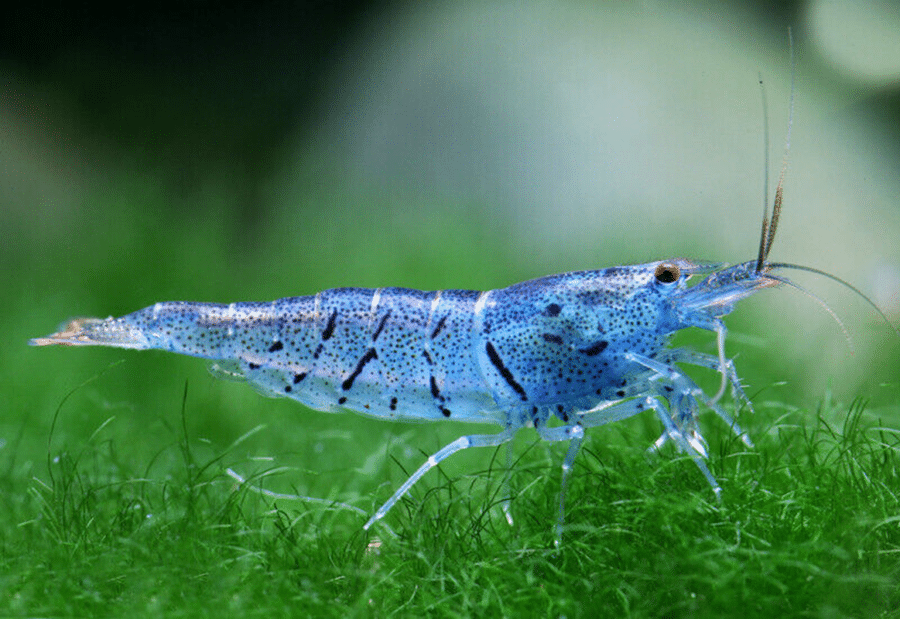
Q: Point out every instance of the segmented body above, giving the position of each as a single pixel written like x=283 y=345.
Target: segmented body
x=551 y=346
x=588 y=348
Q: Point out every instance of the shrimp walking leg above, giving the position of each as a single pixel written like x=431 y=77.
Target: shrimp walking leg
x=683 y=355
x=575 y=435
x=679 y=420
x=463 y=442
x=679 y=387
x=612 y=412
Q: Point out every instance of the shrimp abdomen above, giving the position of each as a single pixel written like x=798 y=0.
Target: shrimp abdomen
x=391 y=352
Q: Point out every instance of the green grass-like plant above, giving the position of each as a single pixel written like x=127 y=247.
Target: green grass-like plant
x=808 y=526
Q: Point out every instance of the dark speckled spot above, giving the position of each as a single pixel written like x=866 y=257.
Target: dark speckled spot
x=438 y=327
x=504 y=371
x=435 y=392
x=329 y=328
x=369 y=356
x=553 y=309
x=594 y=349
x=380 y=326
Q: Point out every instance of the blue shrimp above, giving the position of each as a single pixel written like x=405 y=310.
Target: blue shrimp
x=586 y=348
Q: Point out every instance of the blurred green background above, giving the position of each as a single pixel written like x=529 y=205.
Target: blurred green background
x=216 y=152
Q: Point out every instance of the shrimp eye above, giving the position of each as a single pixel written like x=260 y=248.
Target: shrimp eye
x=666 y=273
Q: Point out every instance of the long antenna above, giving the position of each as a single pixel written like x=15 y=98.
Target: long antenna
x=761 y=255
x=835 y=278
x=767 y=235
